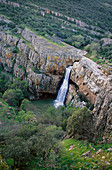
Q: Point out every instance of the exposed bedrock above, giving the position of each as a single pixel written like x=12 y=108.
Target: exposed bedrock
x=89 y=78
x=97 y=87
x=37 y=60
x=103 y=111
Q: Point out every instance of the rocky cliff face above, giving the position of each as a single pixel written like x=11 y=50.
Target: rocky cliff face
x=103 y=111
x=97 y=87
x=89 y=78
x=39 y=61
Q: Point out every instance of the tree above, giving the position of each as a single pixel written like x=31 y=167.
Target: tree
x=42 y=143
x=80 y=122
x=30 y=117
x=18 y=149
x=54 y=116
x=20 y=84
x=21 y=116
x=13 y=97
x=93 y=47
x=4 y=81
x=27 y=117
x=24 y=104
x=22 y=145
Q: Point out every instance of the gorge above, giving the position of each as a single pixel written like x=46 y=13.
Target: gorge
x=42 y=64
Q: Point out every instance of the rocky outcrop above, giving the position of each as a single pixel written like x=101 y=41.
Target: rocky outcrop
x=106 y=41
x=97 y=87
x=89 y=78
x=37 y=60
x=10 y=3
x=49 y=57
x=103 y=111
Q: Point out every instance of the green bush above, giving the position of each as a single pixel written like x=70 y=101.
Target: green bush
x=20 y=84
x=80 y=122
x=2 y=23
x=28 y=143
x=11 y=25
x=13 y=97
x=24 y=104
x=4 y=81
x=93 y=47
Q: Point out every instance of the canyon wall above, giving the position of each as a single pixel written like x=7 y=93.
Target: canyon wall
x=89 y=78
x=37 y=60
x=103 y=111
x=97 y=88
x=42 y=64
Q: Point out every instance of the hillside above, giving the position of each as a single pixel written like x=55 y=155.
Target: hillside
x=76 y=24
x=50 y=48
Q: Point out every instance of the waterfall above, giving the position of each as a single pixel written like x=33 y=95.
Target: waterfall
x=63 y=89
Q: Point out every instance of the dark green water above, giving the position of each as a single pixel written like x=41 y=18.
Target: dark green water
x=43 y=104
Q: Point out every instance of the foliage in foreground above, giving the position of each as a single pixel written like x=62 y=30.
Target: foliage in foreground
x=80 y=123
x=26 y=144
x=3 y=164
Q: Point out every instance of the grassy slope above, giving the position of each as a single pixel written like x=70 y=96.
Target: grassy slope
x=6 y=112
x=89 y=11
x=73 y=157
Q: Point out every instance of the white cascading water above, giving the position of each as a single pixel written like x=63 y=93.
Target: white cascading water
x=63 y=89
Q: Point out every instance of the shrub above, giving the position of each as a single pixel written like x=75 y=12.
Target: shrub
x=13 y=97
x=4 y=81
x=93 y=47
x=25 y=104
x=20 y=84
x=11 y=25
x=80 y=122
x=2 y=23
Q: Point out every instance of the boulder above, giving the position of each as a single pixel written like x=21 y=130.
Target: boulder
x=88 y=153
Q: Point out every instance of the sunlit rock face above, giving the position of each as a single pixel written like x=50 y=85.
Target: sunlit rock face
x=86 y=74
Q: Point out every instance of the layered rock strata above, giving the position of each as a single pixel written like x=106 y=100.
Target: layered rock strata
x=89 y=78
x=37 y=60
x=103 y=111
